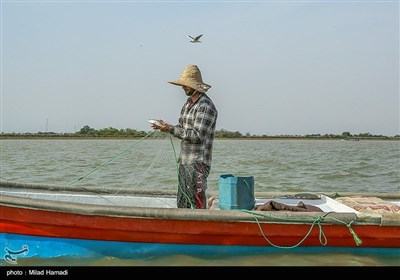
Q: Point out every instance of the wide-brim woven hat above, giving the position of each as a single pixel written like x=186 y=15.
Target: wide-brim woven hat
x=191 y=77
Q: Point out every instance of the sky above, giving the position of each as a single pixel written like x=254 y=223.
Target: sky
x=275 y=67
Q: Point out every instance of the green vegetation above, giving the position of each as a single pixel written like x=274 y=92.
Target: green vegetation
x=88 y=131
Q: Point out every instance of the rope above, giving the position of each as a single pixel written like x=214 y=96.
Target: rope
x=357 y=240
x=148 y=170
x=322 y=237
x=316 y=221
x=111 y=159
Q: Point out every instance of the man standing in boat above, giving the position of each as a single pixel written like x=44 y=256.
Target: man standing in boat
x=196 y=129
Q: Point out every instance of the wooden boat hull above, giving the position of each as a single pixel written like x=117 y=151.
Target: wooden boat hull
x=202 y=232
x=48 y=228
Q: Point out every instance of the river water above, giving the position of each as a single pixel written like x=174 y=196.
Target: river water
x=277 y=165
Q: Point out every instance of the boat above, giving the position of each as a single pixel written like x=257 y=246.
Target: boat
x=51 y=221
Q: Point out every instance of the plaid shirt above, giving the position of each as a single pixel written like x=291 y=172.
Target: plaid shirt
x=196 y=128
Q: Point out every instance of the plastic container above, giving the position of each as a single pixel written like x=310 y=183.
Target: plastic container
x=236 y=192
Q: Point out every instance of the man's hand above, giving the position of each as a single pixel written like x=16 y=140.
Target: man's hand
x=164 y=126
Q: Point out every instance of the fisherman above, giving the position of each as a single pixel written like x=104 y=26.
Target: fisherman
x=196 y=129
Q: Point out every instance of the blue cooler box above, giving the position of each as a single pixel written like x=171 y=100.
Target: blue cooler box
x=236 y=192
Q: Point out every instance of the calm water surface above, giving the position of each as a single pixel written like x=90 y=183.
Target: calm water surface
x=277 y=165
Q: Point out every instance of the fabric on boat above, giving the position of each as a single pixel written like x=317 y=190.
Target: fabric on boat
x=272 y=205
x=370 y=204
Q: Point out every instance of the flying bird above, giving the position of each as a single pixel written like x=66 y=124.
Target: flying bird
x=195 y=39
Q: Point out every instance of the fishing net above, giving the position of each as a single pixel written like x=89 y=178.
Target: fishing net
x=153 y=166
x=106 y=167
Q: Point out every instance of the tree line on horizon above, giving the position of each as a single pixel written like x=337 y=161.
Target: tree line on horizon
x=87 y=131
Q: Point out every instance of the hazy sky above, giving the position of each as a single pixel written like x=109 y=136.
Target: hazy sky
x=276 y=67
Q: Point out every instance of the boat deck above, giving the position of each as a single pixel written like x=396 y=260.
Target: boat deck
x=386 y=204
x=325 y=203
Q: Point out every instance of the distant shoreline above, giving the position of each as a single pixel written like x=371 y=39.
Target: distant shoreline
x=355 y=139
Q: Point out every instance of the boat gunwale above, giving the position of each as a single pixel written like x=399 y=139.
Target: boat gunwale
x=233 y=215
x=287 y=217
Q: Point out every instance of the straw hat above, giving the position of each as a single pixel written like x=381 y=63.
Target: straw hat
x=191 y=77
